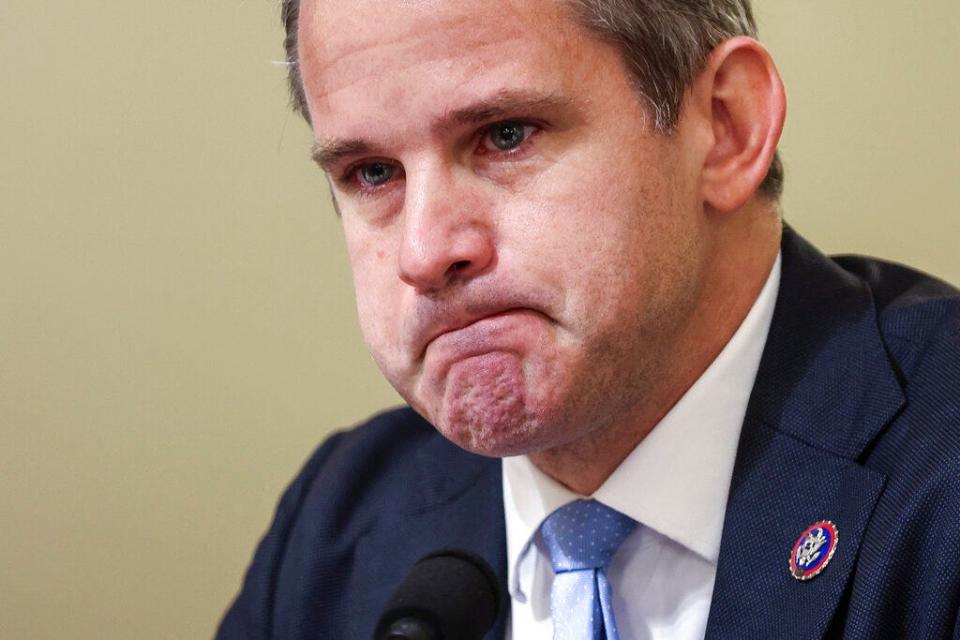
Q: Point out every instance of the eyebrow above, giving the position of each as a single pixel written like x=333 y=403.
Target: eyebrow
x=329 y=152
x=505 y=103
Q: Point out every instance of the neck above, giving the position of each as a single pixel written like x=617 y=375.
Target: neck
x=743 y=247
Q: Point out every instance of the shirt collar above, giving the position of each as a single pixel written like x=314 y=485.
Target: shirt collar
x=676 y=481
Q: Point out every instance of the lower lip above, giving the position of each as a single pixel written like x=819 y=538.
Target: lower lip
x=511 y=330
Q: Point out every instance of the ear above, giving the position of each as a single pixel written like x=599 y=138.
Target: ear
x=739 y=97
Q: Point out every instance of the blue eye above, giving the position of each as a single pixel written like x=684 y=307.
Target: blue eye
x=508 y=135
x=376 y=173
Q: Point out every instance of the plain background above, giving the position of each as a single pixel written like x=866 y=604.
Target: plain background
x=176 y=319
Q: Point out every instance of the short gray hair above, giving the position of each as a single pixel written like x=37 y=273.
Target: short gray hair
x=665 y=44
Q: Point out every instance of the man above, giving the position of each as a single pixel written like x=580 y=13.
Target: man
x=563 y=226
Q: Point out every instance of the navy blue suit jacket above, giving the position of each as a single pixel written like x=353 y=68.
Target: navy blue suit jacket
x=854 y=418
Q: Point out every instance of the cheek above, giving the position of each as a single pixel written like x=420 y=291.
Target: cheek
x=611 y=238
x=372 y=319
x=379 y=317
x=375 y=284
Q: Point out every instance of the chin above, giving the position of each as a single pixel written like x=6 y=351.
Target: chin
x=502 y=429
x=491 y=405
x=500 y=439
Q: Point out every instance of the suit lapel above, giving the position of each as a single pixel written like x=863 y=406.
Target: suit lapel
x=781 y=487
x=455 y=501
x=824 y=389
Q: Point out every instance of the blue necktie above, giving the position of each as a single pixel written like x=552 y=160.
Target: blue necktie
x=582 y=537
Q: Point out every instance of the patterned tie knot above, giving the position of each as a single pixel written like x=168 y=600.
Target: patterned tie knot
x=584 y=535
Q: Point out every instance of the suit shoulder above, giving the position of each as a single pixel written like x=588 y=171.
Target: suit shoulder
x=360 y=455
x=911 y=304
x=393 y=431
x=395 y=463
x=354 y=480
x=919 y=320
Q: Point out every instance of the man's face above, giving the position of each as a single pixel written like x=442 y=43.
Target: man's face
x=525 y=247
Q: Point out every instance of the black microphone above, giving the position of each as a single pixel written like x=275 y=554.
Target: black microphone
x=448 y=595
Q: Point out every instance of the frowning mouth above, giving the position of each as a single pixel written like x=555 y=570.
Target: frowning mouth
x=475 y=333
x=465 y=322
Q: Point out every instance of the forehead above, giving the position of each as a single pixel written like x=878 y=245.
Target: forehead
x=428 y=55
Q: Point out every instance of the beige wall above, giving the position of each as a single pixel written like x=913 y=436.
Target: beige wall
x=176 y=327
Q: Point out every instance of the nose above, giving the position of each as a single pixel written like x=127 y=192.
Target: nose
x=447 y=234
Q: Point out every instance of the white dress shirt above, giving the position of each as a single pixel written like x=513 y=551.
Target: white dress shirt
x=674 y=483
